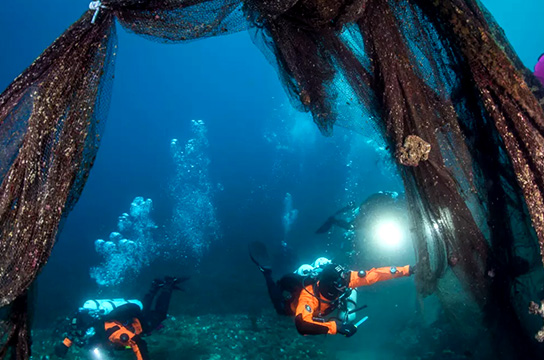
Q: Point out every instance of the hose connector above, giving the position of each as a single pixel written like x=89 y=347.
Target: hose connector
x=96 y=6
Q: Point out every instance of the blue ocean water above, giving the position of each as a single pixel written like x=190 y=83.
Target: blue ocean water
x=259 y=150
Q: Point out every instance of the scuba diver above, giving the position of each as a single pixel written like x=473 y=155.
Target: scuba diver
x=111 y=324
x=354 y=216
x=313 y=292
x=539 y=69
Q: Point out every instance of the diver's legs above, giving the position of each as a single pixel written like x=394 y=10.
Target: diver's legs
x=148 y=298
x=343 y=224
x=157 y=301
x=259 y=255
x=275 y=292
x=156 y=313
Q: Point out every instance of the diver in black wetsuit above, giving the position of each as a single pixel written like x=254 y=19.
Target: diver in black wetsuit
x=122 y=327
x=354 y=216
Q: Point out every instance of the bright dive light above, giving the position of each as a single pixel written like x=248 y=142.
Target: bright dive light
x=97 y=354
x=388 y=234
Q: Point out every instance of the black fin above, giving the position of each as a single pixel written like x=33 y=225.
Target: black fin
x=337 y=220
x=326 y=226
x=350 y=207
x=259 y=255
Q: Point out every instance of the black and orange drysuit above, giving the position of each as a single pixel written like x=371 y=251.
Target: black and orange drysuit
x=311 y=308
x=125 y=325
x=127 y=335
x=121 y=329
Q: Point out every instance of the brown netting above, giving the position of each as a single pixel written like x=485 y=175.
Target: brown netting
x=179 y=20
x=436 y=79
x=58 y=102
x=436 y=75
x=50 y=117
x=15 y=330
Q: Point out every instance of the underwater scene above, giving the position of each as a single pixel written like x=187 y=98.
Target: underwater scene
x=286 y=179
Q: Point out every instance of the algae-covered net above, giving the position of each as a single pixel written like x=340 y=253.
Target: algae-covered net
x=50 y=117
x=436 y=79
x=440 y=82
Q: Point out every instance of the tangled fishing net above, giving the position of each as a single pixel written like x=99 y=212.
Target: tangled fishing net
x=436 y=79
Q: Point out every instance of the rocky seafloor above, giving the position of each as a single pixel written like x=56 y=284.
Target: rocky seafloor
x=208 y=337
x=263 y=337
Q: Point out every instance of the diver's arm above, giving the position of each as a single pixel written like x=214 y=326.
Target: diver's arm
x=61 y=349
x=372 y=276
x=304 y=316
x=79 y=338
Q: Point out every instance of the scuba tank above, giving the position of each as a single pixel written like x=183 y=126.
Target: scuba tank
x=314 y=269
x=106 y=306
x=348 y=304
x=304 y=270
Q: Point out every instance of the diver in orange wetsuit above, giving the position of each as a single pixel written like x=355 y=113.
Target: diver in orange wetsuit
x=311 y=295
x=124 y=326
x=322 y=296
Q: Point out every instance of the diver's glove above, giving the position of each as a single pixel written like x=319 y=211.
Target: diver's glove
x=412 y=269
x=346 y=329
x=61 y=350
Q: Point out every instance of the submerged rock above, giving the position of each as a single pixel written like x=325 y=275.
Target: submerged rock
x=210 y=337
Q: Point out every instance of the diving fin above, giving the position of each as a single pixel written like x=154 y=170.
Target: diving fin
x=349 y=207
x=326 y=226
x=176 y=282
x=259 y=255
x=170 y=282
x=337 y=220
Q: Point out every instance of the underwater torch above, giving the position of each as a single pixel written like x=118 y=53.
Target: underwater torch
x=97 y=354
x=360 y=322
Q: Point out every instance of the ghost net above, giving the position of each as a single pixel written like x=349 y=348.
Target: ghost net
x=437 y=80
x=440 y=82
x=51 y=119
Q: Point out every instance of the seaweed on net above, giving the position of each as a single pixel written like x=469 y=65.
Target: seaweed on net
x=437 y=79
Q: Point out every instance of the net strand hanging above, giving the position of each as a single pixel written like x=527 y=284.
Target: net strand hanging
x=436 y=79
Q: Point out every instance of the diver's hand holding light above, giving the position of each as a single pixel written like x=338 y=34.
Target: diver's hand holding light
x=349 y=329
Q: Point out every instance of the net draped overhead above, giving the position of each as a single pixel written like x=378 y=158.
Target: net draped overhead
x=436 y=79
